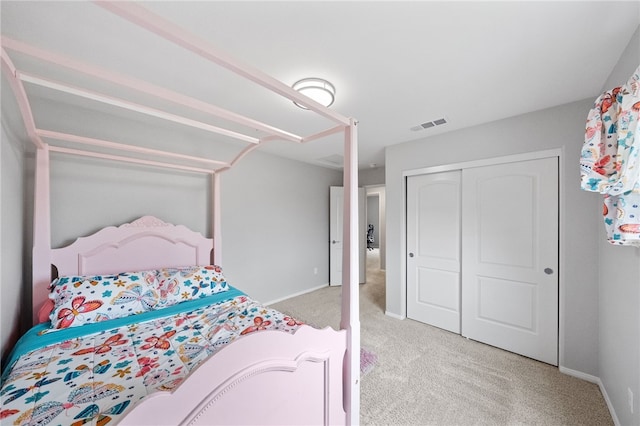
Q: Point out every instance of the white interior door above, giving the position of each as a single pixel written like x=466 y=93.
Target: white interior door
x=433 y=249
x=510 y=257
x=336 y=221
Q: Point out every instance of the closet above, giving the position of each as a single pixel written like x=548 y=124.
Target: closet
x=482 y=254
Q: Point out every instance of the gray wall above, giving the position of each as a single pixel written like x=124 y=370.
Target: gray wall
x=275 y=225
x=619 y=326
x=558 y=127
x=87 y=194
x=368 y=177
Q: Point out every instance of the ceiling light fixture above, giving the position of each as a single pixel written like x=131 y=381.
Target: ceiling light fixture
x=318 y=89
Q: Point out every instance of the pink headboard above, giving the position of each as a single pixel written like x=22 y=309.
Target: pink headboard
x=146 y=243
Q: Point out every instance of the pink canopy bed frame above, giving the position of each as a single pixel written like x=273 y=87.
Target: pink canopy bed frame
x=323 y=365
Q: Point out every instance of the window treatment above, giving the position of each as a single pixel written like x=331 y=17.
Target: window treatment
x=610 y=159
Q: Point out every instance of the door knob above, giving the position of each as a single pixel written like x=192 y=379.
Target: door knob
x=334 y=242
x=548 y=271
x=410 y=254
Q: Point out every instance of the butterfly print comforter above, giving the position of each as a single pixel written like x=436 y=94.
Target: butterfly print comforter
x=93 y=374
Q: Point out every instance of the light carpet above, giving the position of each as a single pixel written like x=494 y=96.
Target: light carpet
x=427 y=376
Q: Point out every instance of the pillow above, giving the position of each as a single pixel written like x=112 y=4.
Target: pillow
x=80 y=300
x=175 y=285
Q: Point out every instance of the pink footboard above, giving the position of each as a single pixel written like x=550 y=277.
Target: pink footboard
x=267 y=378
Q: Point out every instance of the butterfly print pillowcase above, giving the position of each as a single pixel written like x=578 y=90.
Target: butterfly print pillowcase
x=80 y=300
x=176 y=285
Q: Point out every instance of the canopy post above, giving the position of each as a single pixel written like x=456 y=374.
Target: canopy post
x=216 y=219
x=41 y=231
x=350 y=320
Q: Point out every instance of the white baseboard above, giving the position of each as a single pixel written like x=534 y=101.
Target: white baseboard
x=597 y=381
x=300 y=293
x=579 y=375
x=392 y=315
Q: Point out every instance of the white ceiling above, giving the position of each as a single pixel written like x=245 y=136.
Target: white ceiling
x=394 y=64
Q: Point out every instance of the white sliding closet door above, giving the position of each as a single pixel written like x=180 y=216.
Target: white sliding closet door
x=433 y=249
x=510 y=257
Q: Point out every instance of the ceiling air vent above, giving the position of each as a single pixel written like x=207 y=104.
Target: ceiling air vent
x=429 y=124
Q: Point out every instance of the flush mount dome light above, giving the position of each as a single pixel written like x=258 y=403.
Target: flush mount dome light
x=318 y=89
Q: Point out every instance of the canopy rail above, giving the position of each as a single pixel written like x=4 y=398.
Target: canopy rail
x=131 y=106
x=147 y=88
x=324 y=133
x=250 y=148
x=124 y=147
x=123 y=159
x=22 y=99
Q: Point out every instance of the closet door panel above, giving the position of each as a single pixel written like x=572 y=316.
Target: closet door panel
x=520 y=310
x=433 y=249
x=439 y=289
x=510 y=257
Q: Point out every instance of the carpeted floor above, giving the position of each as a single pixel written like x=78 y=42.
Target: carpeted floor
x=427 y=376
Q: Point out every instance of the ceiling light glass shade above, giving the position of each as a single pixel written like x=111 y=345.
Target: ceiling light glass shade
x=318 y=89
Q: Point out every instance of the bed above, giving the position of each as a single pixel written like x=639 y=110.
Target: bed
x=84 y=374
x=238 y=362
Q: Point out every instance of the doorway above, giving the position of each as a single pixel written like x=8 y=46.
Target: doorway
x=376 y=216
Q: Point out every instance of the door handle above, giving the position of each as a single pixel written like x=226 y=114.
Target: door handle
x=548 y=271
x=334 y=242
x=410 y=254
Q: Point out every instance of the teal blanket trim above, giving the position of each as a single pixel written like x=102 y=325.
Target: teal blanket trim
x=31 y=341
